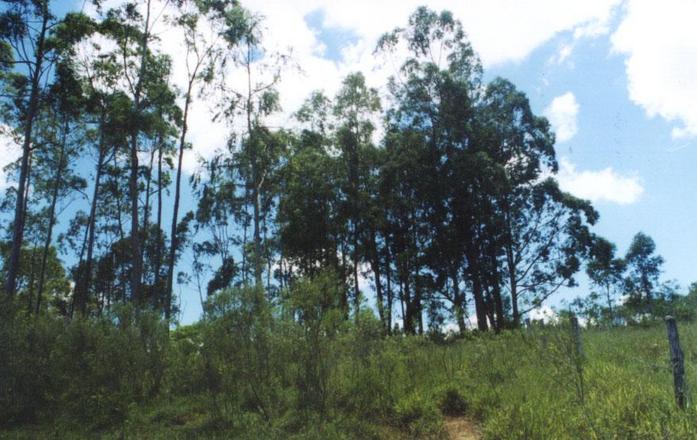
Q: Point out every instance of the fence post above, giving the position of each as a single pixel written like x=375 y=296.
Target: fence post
x=578 y=356
x=576 y=333
x=677 y=360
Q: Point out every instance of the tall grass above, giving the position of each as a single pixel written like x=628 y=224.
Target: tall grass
x=246 y=373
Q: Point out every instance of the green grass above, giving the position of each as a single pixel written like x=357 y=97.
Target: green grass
x=517 y=385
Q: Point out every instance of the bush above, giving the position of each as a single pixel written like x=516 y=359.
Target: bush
x=452 y=403
x=418 y=417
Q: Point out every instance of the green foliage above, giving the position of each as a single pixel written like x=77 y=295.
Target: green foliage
x=418 y=417
x=453 y=202
x=452 y=403
x=294 y=368
x=87 y=372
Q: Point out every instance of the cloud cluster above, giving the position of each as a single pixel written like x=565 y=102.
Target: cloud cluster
x=562 y=113
x=10 y=151
x=500 y=30
x=659 y=40
x=606 y=185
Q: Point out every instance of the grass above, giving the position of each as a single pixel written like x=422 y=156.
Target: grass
x=517 y=385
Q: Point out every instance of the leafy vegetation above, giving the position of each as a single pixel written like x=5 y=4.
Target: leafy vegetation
x=365 y=271
x=251 y=371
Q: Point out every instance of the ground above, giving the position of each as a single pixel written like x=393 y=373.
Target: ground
x=461 y=428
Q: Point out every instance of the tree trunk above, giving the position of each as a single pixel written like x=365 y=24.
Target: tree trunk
x=479 y=304
x=51 y=216
x=158 y=247
x=146 y=221
x=375 y=263
x=388 y=276
x=136 y=253
x=177 y=193
x=18 y=227
x=83 y=283
x=513 y=287
x=458 y=303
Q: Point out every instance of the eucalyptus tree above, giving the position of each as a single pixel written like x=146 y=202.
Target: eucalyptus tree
x=531 y=221
x=200 y=24
x=548 y=238
x=310 y=227
x=28 y=32
x=256 y=158
x=247 y=170
x=108 y=109
x=435 y=91
x=606 y=272
x=644 y=269
x=355 y=106
x=143 y=74
x=61 y=134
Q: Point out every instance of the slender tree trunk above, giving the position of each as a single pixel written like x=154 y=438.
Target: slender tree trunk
x=57 y=182
x=513 y=287
x=158 y=247
x=32 y=253
x=268 y=254
x=136 y=254
x=409 y=310
x=496 y=291
x=174 y=243
x=245 y=226
x=458 y=303
x=257 y=232
x=375 y=263
x=82 y=287
x=498 y=308
x=146 y=226
x=388 y=276
x=19 y=217
x=609 y=304
x=257 y=178
x=478 y=293
x=119 y=200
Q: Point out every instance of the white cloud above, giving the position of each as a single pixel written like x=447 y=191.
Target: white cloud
x=500 y=30
x=564 y=53
x=544 y=313
x=562 y=113
x=660 y=42
x=9 y=152
x=588 y=30
x=605 y=185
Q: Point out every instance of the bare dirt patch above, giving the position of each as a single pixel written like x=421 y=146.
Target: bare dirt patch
x=461 y=428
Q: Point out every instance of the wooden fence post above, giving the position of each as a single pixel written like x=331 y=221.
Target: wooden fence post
x=677 y=360
x=578 y=357
x=576 y=333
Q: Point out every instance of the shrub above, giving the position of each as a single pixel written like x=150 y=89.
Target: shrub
x=418 y=417
x=452 y=403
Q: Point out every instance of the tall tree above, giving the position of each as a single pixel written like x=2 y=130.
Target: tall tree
x=644 y=268
x=28 y=29
x=354 y=107
x=606 y=272
x=61 y=145
x=144 y=74
x=202 y=55
x=435 y=91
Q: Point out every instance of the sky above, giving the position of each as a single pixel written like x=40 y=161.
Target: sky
x=616 y=78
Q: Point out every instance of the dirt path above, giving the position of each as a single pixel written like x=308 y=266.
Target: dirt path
x=461 y=428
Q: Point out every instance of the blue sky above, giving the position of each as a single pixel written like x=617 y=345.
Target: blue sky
x=626 y=136
x=617 y=78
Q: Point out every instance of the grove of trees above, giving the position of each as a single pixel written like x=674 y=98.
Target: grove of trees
x=428 y=204
x=364 y=269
